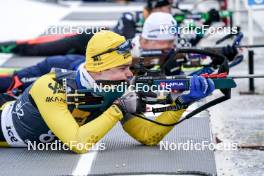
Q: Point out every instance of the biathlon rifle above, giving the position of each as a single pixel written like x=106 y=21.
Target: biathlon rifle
x=234 y=61
x=207 y=52
x=223 y=82
x=79 y=98
x=212 y=15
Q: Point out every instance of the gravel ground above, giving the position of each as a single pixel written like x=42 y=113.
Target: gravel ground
x=241 y=120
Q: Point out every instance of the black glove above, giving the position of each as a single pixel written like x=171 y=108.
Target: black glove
x=213 y=16
x=230 y=52
x=132 y=102
x=5 y=98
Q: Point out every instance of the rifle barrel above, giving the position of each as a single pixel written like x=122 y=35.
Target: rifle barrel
x=189 y=77
x=251 y=46
x=246 y=76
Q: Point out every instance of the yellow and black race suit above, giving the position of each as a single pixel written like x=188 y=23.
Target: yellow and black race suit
x=42 y=115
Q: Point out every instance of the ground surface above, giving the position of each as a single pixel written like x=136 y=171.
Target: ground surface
x=239 y=120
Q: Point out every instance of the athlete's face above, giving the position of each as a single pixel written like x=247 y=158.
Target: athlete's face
x=154 y=44
x=118 y=73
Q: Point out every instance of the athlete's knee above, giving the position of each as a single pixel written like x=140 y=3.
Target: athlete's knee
x=6 y=81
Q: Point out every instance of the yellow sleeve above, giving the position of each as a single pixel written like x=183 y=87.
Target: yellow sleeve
x=61 y=122
x=149 y=133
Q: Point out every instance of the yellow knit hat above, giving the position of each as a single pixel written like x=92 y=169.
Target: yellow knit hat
x=103 y=41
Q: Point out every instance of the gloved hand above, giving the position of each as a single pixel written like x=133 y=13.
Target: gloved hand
x=199 y=88
x=132 y=102
x=214 y=15
x=230 y=52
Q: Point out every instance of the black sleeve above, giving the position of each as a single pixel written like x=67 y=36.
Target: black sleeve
x=30 y=74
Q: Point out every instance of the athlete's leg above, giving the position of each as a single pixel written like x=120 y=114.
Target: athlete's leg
x=15 y=46
x=75 y=44
x=3 y=143
x=21 y=79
